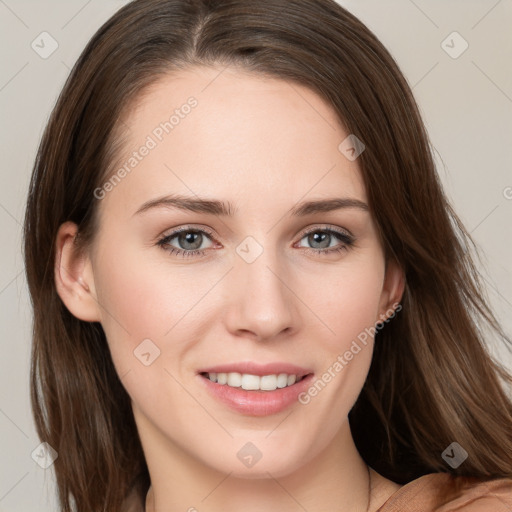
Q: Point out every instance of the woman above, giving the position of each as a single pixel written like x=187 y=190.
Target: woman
x=249 y=289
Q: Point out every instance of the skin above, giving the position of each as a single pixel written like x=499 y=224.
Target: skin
x=264 y=145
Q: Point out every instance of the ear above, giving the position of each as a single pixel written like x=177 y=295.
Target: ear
x=73 y=276
x=392 y=290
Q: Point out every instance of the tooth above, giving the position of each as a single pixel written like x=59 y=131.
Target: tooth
x=282 y=380
x=234 y=379
x=253 y=382
x=250 y=382
x=268 y=382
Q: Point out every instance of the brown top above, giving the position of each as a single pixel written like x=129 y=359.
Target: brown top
x=435 y=492
x=441 y=492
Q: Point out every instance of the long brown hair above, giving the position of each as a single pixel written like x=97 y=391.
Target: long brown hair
x=431 y=381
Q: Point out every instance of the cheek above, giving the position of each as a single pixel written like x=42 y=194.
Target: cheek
x=350 y=308
x=150 y=322
x=350 y=302
x=151 y=298
x=147 y=295
x=132 y=295
x=136 y=305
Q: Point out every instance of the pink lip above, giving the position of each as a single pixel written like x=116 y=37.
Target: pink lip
x=258 y=369
x=257 y=403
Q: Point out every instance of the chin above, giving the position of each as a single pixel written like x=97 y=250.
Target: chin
x=278 y=463
x=262 y=472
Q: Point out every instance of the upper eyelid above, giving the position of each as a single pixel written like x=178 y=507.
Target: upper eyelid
x=329 y=228
x=176 y=231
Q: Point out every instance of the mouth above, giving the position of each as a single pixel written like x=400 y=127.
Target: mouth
x=250 y=382
x=256 y=390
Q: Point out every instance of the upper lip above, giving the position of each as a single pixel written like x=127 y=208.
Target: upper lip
x=253 y=368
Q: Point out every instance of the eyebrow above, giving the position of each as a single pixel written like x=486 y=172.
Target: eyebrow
x=221 y=208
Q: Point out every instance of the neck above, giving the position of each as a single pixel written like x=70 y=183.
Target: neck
x=336 y=479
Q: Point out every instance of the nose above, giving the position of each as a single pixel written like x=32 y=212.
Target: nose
x=262 y=304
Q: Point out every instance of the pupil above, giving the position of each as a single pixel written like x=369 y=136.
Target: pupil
x=320 y=238
x=190 y=240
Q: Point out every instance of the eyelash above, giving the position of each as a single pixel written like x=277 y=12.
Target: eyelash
x=346 y=239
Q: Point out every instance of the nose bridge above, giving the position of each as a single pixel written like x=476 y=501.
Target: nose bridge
x=261 y=302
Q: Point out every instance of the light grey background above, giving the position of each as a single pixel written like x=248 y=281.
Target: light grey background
x=466 y=103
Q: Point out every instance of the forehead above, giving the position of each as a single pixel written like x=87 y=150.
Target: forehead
x=227 y=133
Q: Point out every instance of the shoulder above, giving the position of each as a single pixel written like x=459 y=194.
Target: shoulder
x=442 y=492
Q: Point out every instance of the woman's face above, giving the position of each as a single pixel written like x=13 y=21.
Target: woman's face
x=279 y=263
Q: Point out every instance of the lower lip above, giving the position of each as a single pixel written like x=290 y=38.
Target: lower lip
x=257 y=403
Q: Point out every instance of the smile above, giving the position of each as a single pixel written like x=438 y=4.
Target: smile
x=255 y=395
x=251 y=382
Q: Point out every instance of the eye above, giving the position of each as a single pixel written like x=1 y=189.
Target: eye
x=186 y=241
x=327 y=240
